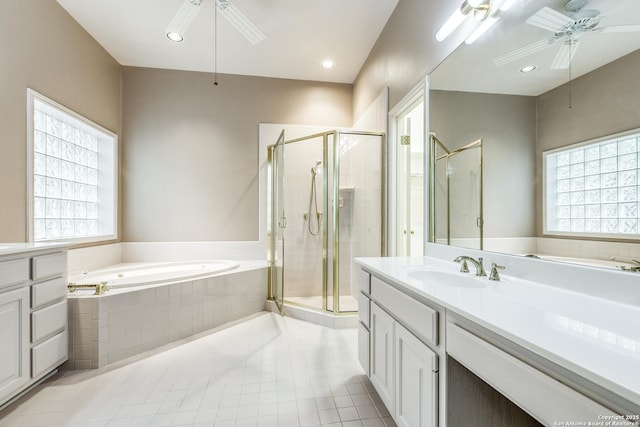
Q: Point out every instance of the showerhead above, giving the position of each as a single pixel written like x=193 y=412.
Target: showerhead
x=314 y=169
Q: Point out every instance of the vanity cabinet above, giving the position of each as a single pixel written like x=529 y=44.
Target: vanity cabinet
x=14 y=341
x=382 y=356
x=33 y=318
x=403 y=367
x=546 y=398
x=417 y=381
x=364 y=332
x=436 y=358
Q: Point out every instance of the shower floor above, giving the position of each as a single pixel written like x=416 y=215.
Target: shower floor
x=347 y=302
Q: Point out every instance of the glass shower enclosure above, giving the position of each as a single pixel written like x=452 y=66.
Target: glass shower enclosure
x=326 y=205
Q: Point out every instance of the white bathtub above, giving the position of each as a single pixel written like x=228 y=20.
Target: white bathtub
x=153 y=304
x=127 y=276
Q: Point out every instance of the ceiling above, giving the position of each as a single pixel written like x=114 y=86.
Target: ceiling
x=471 y=68
x=299 y=36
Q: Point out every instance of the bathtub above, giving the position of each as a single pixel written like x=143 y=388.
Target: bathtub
x=150 y=305
x=127 y=276
x=590 y=262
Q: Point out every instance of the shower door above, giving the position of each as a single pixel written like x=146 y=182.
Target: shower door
x=456 y=195
x=278 y=223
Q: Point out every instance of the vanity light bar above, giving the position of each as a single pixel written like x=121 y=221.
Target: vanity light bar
x=460 y=14
x=490 y=21
x=486 y=25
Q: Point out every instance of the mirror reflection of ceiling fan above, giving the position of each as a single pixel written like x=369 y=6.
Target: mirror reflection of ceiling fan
x=568 y=28
x=191 y=8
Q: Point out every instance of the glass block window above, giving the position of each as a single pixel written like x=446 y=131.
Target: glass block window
x=593 y=189
x=72 y=175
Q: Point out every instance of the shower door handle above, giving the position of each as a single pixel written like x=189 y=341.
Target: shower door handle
x=282 y=222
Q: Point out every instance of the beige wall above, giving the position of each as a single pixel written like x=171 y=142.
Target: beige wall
x=507 y=126
x=43 y=48
x=405 y=52
x=190 y=162
x=603 y=102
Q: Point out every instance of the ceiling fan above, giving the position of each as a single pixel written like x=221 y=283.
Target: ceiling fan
x=190 y=9
x=567 y=31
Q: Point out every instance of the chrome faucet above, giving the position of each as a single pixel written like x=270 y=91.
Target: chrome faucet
x=494 y=271
x=634 y=267
x=464 y=268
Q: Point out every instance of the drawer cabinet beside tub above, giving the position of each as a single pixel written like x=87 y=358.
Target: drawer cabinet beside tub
x=33 y=317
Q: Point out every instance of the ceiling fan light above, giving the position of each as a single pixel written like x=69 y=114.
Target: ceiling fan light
x=175 y=37
x=183 y=19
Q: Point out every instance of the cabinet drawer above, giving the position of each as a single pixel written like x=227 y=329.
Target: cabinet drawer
x=364 y=281
x=12 y=272
x=545 y=398
x=417 y=317
x=48 y=320
x=363 y=308
x=48 y=265
x=49 y=291
x=49 y=355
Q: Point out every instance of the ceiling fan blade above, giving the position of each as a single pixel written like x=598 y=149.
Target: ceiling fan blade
x=240 y=22
x=565 y=54
x=527 y=50
x=620 y=29
x=183 y=18
x=549 y=19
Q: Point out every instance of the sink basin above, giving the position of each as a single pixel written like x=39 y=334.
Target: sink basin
x=449 y=278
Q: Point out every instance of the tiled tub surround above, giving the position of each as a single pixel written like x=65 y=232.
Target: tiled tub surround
x=575 y=322
x=126 y=322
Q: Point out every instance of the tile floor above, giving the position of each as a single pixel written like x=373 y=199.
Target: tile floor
x=264 y=371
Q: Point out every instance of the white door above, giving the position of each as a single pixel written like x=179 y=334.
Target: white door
x=417 y=381
x=410 y=181
x=14 y=341
x=382 y=362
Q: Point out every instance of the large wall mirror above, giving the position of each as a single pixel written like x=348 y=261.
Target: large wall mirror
x=549 y=74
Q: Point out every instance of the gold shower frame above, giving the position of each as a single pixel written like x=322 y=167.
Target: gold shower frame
x=433 y=143
x=334 y=211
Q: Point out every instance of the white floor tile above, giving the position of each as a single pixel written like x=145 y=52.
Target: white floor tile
x=268 y=371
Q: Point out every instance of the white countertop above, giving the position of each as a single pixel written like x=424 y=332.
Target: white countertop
x=596 y=338
x=16 y=248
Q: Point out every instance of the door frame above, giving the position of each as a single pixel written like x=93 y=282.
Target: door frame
x=421 y=90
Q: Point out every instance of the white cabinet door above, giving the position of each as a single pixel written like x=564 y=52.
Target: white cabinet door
x=364 y=344
x=417 y=381
x=14 y=341
x=382 y=352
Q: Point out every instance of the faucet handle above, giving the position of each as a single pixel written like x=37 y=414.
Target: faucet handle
x=464 y=267
x=494 y=271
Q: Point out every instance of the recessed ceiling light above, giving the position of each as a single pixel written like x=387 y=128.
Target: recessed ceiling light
x=175 y=37
x=527 y=69
x=328 y=64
